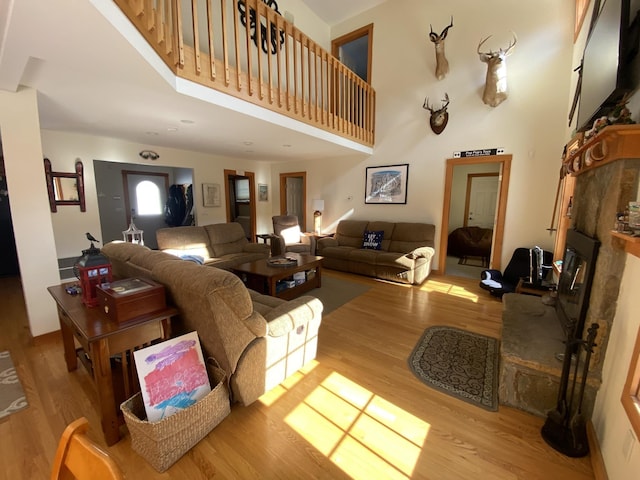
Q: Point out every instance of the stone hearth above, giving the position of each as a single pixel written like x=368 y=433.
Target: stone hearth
x=530 y=371
x=529 y=368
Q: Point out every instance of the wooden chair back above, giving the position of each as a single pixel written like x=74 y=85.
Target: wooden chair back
x=78 y=457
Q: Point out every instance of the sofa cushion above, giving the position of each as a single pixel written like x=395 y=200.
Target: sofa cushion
x=188 y=240
x=409 y=236
x=372 y=240
x=349 y=233
x=226 y=238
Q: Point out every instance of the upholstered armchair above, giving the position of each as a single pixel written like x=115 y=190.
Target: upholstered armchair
x=289 y=238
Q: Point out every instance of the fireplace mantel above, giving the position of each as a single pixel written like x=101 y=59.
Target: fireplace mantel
x=615 y=142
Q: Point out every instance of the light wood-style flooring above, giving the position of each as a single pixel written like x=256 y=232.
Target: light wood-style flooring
x=357 y=412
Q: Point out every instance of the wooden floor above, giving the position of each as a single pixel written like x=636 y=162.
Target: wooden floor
x=357 y=412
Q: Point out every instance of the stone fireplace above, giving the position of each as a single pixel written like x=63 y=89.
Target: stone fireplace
x=532 y=334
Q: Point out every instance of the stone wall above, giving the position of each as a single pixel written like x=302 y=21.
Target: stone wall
x=599 y=194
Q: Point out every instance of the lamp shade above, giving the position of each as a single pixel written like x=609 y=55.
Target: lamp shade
x=318 y=205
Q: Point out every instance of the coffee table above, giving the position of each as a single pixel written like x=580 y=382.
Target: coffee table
x=266 y=279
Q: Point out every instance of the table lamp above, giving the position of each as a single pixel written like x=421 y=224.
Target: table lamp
x=318 y=207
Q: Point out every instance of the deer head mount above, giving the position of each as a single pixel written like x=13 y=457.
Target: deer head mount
x=439 y=118
x=495 y=87
x=442 y=65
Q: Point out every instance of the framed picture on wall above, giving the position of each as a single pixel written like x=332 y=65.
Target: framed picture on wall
x=211 y=194
x=263 y=193
x=386 y=184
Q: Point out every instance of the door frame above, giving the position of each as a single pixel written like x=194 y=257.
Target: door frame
x=283 y=194
x=503 y=191
x=336 y=43
x=252 y=197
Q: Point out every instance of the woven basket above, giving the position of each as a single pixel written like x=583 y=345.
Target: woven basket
x=162 y=443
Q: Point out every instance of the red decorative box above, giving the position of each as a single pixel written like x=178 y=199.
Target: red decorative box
x=124 y=300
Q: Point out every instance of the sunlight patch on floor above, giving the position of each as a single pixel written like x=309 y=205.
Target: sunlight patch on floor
x=448 y=289
x=362 y=433
x=272 y=396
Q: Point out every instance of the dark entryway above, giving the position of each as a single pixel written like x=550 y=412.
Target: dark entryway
x=8 y=254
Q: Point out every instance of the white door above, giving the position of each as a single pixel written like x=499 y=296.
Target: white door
x=294 y=199
x=145 y=221
x=482 y=200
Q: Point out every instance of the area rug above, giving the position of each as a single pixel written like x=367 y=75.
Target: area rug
x=12 y=398
x=335 y=292
x=460 y=363
x=473 y=261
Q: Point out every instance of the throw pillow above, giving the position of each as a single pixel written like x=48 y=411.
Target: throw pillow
x=372 y=240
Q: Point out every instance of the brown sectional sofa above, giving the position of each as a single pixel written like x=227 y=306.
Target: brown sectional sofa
x=405 y=252
x=222 y=245
x=258 y=340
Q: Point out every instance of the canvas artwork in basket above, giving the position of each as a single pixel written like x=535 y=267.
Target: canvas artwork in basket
x=182 y=423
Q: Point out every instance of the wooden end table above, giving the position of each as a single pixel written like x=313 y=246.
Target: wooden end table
x=264 y=278
x=101 y=338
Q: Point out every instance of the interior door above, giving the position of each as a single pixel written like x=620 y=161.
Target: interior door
x=145 y=221
x=482 y=197
x=293 y=196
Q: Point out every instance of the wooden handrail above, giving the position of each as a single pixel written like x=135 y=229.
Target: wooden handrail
x=273 y=64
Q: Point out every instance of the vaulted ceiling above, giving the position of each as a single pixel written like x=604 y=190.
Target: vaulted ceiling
x=91 y=80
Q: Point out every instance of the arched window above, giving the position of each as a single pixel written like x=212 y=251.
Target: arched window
x=148 y=198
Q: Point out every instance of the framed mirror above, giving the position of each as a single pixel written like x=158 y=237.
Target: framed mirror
x=65 y=188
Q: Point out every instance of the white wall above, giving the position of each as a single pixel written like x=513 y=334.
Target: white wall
x=69 y=224
x=609 y=418
x=530 y=124
x=30 y=213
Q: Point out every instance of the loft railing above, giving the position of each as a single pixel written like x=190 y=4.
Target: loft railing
x=269 y=62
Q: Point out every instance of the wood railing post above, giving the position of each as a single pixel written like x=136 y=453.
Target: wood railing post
x=309 y=84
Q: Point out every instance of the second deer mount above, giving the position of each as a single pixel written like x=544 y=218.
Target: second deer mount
x=440 y=117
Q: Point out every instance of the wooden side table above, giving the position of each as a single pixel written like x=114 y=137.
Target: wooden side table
x=101 y=338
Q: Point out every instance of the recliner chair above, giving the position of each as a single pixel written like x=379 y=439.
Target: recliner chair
x=289 y=238
x=532 y=265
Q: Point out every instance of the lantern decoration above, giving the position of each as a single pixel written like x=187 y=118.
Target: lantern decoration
x=133 y=234
x=92 y=269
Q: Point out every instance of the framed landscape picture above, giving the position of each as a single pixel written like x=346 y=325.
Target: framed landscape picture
x=386 y=184
x=211 y=194
x=263 y=193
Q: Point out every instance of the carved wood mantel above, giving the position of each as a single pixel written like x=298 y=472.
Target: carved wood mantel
x=613 y=143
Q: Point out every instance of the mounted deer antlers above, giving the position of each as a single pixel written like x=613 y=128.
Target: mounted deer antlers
x=442 y=65
x=439 y=118
x=495 y=87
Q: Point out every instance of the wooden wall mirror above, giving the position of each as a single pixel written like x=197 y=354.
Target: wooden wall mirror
x=65 y=188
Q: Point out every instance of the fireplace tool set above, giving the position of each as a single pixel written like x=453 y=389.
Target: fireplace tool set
x=565 y=427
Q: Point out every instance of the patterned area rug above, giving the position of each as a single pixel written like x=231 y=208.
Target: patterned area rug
x=460 y=363
x=12 y=398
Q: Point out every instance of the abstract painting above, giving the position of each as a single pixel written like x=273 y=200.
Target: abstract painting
x=172 y=375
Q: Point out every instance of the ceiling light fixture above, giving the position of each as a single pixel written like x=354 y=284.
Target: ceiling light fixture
x=149 y=155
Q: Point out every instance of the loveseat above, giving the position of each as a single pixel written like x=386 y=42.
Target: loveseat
x=222 y=245
x=258 y=340
x=400 y=251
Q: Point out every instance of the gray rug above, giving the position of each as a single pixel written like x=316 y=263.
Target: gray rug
x=460 y=363
x=12 y=398
x=335 y=292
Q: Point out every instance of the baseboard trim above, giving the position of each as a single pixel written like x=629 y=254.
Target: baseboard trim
x=597 y=462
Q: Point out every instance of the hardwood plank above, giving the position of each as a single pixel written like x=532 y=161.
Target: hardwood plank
x=355 y=412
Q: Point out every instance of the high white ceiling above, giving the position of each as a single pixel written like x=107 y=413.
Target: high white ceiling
x=336 y=11
x=91 y=80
